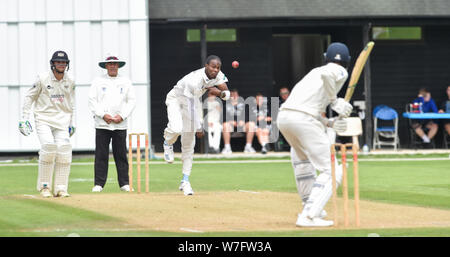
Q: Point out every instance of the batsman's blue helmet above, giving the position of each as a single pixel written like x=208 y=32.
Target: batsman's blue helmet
x=337 y=52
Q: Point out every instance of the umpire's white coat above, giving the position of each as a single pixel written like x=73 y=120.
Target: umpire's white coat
x=113 y=96
x=184 y=111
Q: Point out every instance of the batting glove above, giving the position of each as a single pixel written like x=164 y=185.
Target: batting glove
x=342 y=107
x=339 y=125
x=25 y=127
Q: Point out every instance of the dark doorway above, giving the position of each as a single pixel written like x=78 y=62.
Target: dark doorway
x=294 y=55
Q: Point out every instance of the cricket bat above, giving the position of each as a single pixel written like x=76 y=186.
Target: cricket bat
x=356 y=72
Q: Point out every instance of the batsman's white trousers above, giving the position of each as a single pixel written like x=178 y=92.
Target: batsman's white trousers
x=183 y=120
x=311 y=143
x=307 y=136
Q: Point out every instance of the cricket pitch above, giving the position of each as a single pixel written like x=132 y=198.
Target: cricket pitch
x=240 y=211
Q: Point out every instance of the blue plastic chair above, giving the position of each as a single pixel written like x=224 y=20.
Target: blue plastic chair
x=377 y=108
x=390 y=133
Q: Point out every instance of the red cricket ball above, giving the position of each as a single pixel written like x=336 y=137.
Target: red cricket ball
x=235 y=64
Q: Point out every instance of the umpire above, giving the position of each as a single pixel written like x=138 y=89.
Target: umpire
x=111 y=100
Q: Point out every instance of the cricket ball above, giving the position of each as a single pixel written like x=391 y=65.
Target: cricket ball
x=235 y=64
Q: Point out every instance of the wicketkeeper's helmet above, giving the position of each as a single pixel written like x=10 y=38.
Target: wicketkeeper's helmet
x=59 y=56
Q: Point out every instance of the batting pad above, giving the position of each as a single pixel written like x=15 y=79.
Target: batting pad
x=62 y=167
x=305 y=175
x=321 y=192
x=47 y=156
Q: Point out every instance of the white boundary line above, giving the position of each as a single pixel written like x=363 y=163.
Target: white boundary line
x=349 y=159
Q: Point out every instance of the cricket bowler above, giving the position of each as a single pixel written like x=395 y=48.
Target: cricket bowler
x=185 y=114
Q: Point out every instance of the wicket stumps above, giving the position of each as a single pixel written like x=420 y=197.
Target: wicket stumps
x=138 y=161
x=343 y=148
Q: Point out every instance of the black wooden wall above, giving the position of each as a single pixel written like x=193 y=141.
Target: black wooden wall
x=399 y=70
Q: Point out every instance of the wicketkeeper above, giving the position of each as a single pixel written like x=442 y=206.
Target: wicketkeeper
x=53 y=96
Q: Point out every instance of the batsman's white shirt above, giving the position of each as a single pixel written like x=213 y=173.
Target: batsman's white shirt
x=317 y=90
x=111 y=95
x=54 y=101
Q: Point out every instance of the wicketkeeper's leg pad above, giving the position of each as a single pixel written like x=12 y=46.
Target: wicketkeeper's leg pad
x=62 y=167
x=47 y=156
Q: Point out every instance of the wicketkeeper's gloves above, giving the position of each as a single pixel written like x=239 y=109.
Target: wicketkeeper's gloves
x=25 y=127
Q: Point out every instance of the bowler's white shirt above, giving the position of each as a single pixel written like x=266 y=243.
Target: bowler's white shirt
x=54 y=101
x=111 y=95
x=196 y=83
x=317 y=89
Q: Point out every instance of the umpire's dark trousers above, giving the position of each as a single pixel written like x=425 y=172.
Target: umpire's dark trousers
x=103 y=138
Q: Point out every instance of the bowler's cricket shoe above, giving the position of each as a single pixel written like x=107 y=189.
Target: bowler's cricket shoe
x=45 y=192
x=185 y=186
x=168 y=152
x=304 y=221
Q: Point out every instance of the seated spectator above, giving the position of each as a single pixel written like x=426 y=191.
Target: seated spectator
x=214 y=122
x=428 y=105
x=235 y=119
x=281 y=144
x=445 y=107
x=284 y=94
x=263 y=121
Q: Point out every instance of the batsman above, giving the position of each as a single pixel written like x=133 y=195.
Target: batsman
x=302 y=123
x=53 y=97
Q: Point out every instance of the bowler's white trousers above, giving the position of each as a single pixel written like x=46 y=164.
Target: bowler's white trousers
x=184 y=120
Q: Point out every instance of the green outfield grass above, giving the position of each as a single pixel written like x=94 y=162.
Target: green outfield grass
x=418 y=183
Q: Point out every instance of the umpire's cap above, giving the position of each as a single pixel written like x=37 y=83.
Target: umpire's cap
x=337 y=52
x=111 y=58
